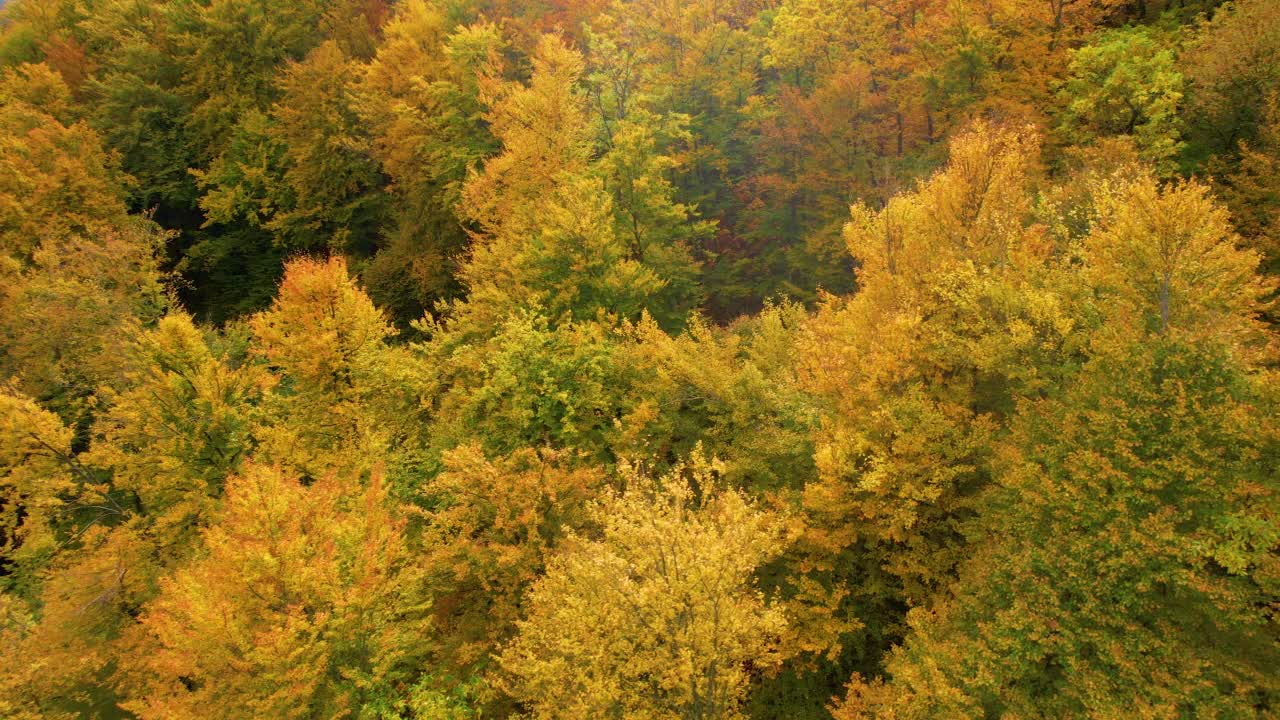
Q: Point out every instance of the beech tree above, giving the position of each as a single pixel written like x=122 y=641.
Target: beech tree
x=305 y=602
x=1111 y=537
x=493 y=527
x=1230 y=65
x=1127 y=84
x=77 y=273
x=419 y=98
x=361 y=359
x=548 y=233
x=346 y=397
x=659 y=617
x=956 y=318
x=1130 y=561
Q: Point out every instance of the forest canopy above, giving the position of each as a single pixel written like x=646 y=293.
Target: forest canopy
x=639 y=359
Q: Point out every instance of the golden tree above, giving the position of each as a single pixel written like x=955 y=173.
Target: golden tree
x=659 y=617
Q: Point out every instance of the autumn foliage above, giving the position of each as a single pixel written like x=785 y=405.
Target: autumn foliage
x=454 y=360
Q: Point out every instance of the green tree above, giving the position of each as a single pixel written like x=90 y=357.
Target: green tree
x=1126 y=559
x=548 y=234
x=1127 y=83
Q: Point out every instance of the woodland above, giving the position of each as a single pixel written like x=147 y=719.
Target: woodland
x=639 y=359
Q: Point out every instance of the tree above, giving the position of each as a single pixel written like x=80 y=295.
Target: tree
x=547 y=233
x=419 y=99
x=1164 y=261
x=530 y=385
x=733 y=391
x=180 y=427
x=73 y=568
x=77 y=273
x=952 y=321
x=57 y=179
x=137 y=106
x=1231 y=68
x=37 y=481
x=66 y=317
x=1127 y=83
x=963 y=309
x=696 y=58
x=307 y=601
x=230 y=52
x=183 y=414
x=817 y=152
x=658 y=617
x=1123 y=540
x=346 y=396
x=336 y=186
x=493 y=525
x=302 y=171
x=658 y=231
x=98 y=527
x=1125 y=560
x=352 y=353
x=1252 y=191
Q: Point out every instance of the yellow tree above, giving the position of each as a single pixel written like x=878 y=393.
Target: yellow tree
x=182 y=425
x=918 y=365
x=229 y=53
x=305 y=602
x=77 y=273
x=318 y=390
x=1125 y=559
x=1124 y=537
x=1231 y=64
x=698 y=58
x=56 y=179
x=733 y=390
x=1122 y=561
x=1163 y=260
x=345 y=394
x=419 y=98
x=303 y=171
x=492 y=525
x=957 y=316
x=38 y=479
x=66 y=317
x=99 y=527
x=657 y=618
x=548 y=235
x=72 y=575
